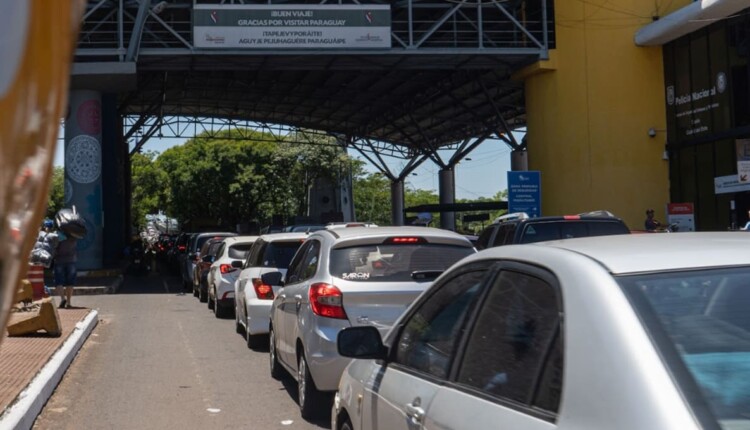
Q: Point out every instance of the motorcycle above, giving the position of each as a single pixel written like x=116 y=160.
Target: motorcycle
x=137 y=264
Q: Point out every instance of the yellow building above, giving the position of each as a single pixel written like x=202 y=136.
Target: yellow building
x=598 y=117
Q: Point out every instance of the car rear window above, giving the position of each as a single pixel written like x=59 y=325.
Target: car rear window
x=202 y=239
x=555 y=230
x=700 y=321
x=393 y=263
x=239 y=251
x=279 y=254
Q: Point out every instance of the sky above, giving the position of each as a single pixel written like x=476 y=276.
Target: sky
x=482 y=176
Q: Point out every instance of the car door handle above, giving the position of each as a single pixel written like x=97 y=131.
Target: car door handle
x=298 y=302
x=415 y=414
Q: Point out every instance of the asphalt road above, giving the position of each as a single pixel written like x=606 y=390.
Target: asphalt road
x=159 y=359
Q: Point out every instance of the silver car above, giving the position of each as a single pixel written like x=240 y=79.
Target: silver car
x=359 y=276
x=647 y=331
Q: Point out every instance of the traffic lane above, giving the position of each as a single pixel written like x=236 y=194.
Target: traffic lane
x=160 y=359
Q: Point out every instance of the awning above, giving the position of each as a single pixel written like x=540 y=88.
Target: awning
x=690 y=18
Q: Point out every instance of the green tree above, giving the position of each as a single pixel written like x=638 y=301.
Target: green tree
x=56 y=198
x=372 y=197
x=149 y=195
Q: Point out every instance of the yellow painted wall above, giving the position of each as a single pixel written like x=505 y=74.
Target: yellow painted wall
x=588 y=118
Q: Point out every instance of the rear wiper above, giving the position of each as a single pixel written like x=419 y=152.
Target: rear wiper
x=420 y=275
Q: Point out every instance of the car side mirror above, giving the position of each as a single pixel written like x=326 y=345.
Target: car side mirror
x=271 y=278
x=237 y=264
x=361 y=342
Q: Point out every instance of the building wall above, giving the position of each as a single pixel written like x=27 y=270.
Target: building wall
x=589 y=109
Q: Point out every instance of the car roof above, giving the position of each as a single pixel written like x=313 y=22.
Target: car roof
x=272 y=237
x=649 y=252
x=240 y=239
x=351 y=233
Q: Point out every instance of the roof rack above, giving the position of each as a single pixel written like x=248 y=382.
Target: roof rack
x=511 y=217
x=599 y=213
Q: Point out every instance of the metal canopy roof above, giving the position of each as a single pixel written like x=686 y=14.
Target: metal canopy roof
x=445 y=79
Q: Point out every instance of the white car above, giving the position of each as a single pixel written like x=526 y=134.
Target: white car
x=347 y=277
x=223 y=273
x=648 y=331
x=270 y=253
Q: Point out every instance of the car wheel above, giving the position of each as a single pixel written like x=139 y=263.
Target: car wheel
x=307 y=393
x=203 y=297
x=211 y=303
x=253 y=340
x=276 y=370
x=220 y=311
x=346 y=425
x=195 y=291
x=237 y=325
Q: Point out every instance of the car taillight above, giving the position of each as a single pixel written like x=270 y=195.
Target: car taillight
x=404 y=240
x=226 y=268
x=327 y=301
x=263 y=291
x=181 y=248
x=572 y=217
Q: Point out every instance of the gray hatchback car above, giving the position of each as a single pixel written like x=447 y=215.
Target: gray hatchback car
x=350 y=277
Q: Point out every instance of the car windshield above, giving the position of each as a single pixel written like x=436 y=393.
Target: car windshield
x=279 y=254
x=239 y=251
x=702 y=320
x=393 y=263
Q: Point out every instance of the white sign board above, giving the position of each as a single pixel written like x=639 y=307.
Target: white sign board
x=300 y=26
x=729 y=184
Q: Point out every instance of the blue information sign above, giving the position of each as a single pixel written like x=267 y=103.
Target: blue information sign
x=525 y=192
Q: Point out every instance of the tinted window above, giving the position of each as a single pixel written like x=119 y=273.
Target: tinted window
x=504 y=234
x=393 y=263
x=202 y=239
x=239 y=251
x=607 y=228
x=513 y=337
x=430 y=336
x=484 y=238
x=704 y=315
x=295 y=266
x=279 y=254
x=539 y=232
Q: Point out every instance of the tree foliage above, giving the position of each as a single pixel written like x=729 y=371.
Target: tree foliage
x=56 y=198
x=149 y=194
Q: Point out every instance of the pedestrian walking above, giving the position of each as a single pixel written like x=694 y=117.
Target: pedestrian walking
x=66 y=256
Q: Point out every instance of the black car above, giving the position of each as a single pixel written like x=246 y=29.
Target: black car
x=519 y=228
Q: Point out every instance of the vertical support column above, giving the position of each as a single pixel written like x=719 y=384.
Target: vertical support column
x=397 y=202
x=83 y=171
x=114 y=202
x=519 y=160
x=447 y=190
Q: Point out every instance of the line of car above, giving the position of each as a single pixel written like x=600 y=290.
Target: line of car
x=410 y=327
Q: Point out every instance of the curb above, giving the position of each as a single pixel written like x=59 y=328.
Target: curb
x=28 y=405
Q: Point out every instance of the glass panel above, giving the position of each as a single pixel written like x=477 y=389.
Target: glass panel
x=392 y=263
x=705 y=316
x=431 y=335
x=279 y=254
x=513 y=333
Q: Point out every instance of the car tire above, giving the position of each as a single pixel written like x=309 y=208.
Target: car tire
x=211 y=303
x=195 y=291
x=346 y=425
x=220 y=311
x=254 y=341
x=276 y=371
x=203 y=297
x=307 y=394
x=237 y=326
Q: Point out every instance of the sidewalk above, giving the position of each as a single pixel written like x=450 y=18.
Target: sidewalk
x=32 y=366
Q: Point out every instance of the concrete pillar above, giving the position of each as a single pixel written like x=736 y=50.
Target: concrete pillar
x=447 y=190
x=116 y=204
x=397 y=202
x=83 y=171
x=519 y=161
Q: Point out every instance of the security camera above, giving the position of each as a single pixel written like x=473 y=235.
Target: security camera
x=652 y=132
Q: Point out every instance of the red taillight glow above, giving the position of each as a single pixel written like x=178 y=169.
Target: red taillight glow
x=404 y=240
x=327 y=301
x=226 y=268
x=572 y=217
x=263 y=291
x=181 y=248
